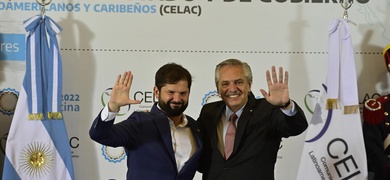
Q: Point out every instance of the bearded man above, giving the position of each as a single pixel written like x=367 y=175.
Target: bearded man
x=161 y=144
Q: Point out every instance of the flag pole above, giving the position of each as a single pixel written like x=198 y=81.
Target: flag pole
x=346 y=5
x=43 y=4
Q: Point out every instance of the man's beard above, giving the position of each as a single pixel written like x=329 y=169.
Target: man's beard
x=166 y=107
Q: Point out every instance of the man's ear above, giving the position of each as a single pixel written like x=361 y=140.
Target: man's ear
x=156 y=92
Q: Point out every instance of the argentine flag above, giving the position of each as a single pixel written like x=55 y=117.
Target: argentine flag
x=37 y=146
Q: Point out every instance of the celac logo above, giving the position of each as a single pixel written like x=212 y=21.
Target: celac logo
x=113 y=155
x=8 y=99
x=311 y=99
x=320 y=115
x=105 y=97
x=211 y=96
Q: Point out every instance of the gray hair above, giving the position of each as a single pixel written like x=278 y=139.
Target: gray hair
x=234 y=62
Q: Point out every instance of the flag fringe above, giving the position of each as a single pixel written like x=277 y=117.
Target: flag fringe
x=351 y=109
x=331 y=104
x=37 y=116
x=54 y=115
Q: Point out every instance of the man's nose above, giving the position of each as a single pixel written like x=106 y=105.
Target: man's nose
x=176 y=97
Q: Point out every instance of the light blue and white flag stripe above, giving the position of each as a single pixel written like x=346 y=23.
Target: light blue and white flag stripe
x=37 y=145
x=33 y=78
x=54 y=73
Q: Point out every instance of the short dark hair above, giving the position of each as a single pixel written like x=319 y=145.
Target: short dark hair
x=171 y=73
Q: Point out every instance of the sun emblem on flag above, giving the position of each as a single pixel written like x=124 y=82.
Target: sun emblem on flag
x=36 y=159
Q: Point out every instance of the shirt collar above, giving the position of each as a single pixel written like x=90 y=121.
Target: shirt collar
x=229 y=112
x=183 y=123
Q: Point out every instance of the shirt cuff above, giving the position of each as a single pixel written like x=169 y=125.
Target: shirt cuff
x=290 y=112
x=105 y=115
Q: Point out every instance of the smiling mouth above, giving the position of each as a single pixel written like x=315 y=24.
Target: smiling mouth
x=176 y=104
x=233 y=95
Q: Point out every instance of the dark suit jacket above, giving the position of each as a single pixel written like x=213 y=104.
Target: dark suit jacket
x=147 y=140
x=259 y=131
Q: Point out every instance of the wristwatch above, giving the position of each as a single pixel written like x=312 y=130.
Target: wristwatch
x=287 y=104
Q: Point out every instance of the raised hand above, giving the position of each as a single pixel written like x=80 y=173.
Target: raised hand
x=120 y=92
x=278 y=93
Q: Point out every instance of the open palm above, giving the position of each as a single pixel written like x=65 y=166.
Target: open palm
x=278 y=93
x=120 y=92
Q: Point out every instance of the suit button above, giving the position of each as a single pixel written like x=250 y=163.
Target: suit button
x=226 y=169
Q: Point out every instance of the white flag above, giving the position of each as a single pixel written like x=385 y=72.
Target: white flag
x=334 y=145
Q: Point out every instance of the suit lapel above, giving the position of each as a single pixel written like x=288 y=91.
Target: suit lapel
x=162 y=124
x=215 y=118
x=196 y=133
x=243 y=121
